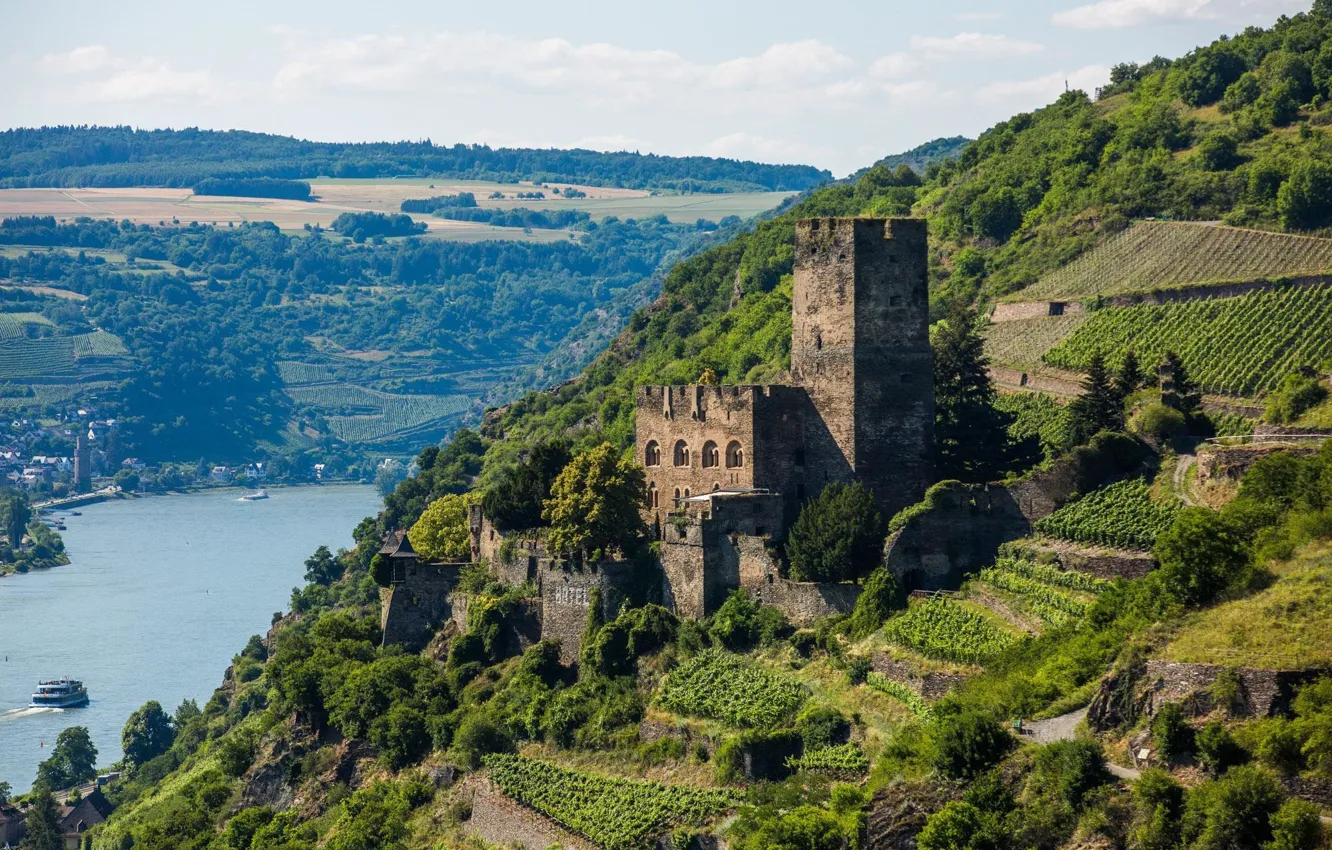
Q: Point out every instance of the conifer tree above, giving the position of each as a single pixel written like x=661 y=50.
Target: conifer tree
x=42 y=824
x=1100 y=407
x=1129 y=379
x=1190 y=397
x=970 y=433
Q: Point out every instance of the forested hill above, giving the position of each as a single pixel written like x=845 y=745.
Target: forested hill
x=124 y=156
x=1235 y=131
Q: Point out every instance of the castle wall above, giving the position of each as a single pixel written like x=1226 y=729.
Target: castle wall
x=566 y=598
x=860 y=347
x=708 y=419
x=411 y=610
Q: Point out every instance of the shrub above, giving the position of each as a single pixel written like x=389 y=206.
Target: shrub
x=960 y=826
x=1070 y=769
x=822 y=726
x=235 y=754
x=1296 y=826
x=968 y=744
x=1280 y=750
x=477 y=736
x=1201 y=555
x=381 y=570
x=1170 y=732
x=1232 y=812
x=1159 y=422
x=1297 y=393
x=741 y=622
x=857 y=670
x=838 y=536
x=882 y=595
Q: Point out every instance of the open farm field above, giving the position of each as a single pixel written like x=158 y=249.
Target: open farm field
x=1165 y=255
x=334 y=197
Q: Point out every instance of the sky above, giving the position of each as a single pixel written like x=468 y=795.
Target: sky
x=832 y=83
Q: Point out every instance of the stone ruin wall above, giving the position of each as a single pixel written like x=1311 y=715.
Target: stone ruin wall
x=566 y=597
x=411 y=610
x=1265 y=692
x=930 y=685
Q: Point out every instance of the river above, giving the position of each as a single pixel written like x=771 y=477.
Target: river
x=159 y=595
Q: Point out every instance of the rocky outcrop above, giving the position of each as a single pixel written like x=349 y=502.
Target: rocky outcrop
x=898 y=813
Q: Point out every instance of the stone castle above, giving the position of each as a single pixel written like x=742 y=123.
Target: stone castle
x=728 y=467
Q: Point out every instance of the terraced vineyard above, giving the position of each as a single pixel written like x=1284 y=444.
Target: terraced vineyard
x=98 y=344
x=839 y=760
x=13 y=325
x=57 y=394
x=1021 y=343
x=949 y=629
x=1036 y=416
x=725 y=687
x=294 y=373
x=900 y=692
x=357 y=414
x=618 y=814
x=32 y=358
x=1162 y=255
x=1238 y=346
x=1122 y=515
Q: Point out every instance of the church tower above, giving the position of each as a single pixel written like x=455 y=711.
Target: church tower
x=860 y=347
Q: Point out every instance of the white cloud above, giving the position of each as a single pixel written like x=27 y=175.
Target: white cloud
x=968 y=17
x=894 y=65
x=974 y=45
x=80 y=60
x=762 y=148
x=1119 y=14
x=1043 y=89
x=781 y=62
x=103 y=76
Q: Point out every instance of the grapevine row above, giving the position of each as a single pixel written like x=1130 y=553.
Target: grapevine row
x=725 y=687
x=903 y=694
x=842 y=759
x=942 y=628
x=1122 y=515
x=617 y=814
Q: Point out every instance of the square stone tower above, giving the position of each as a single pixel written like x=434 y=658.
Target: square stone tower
x=860 y=346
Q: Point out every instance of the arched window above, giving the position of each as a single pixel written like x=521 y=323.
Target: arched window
x=686 y=495
x=735 y=455
x=716 y=485
x=711 y=456
x=652 y=496
x=652 y=454
x=681 y=453
x=677 y=494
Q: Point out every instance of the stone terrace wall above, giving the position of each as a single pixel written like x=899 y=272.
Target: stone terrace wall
x=929 y=685
x=498 y=820
x=1265 y=692
x=1229 y=463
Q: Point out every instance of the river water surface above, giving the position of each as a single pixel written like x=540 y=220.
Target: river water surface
x=159 y=595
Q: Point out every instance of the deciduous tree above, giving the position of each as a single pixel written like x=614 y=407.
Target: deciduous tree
x=594 y=504
x=147 y=734
x=442 y=534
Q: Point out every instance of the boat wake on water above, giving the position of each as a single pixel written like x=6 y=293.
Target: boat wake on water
x=17 y=713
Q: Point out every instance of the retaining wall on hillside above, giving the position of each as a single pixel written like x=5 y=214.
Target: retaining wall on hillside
x=498 y=820
x=930 y=685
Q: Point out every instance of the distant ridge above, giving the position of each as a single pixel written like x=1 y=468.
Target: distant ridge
x=123 y=156
x=923 y=156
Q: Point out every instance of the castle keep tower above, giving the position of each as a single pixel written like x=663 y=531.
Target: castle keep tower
x=860 y=347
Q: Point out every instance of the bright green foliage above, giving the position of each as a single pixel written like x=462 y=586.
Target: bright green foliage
x=1040 y=423
x=594 y=504
x=1022 y=342
x=942 y=628
x=322 y=568
x=147 y=734
x=1162 y=255
x=723 y=686
x=43 y=824
x=1122 y=514
x=1049 y=603
x=1298 y=392
x=73 y=760
x=804 y=828
x=1233 y=812
x=961 y=826
x=1053 y=576
x=1216 y=747
x=838 y=536
x=742 y=623
x=442 y=533
x=901 y=693
x=1201 y=555
x=1296 y=826
x=1251 y=342
x=841 y=759
x=375 y=818
x=1305 y=199
x=822 y=726
x=1069 y=770
x=618 y=814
